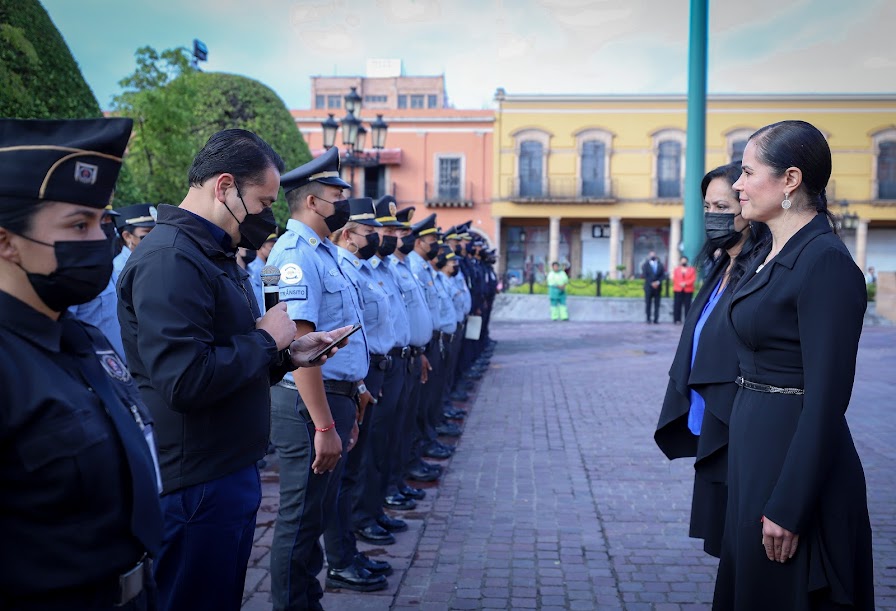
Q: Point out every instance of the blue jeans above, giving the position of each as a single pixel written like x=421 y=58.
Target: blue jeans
x=209 y=530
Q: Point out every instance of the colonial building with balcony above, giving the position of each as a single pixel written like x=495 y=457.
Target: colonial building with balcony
x=598 y=181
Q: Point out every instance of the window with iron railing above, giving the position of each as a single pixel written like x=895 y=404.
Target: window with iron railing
x=530 y=168
x=594 y=179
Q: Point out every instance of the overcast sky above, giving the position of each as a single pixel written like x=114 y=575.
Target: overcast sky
x=525 y=46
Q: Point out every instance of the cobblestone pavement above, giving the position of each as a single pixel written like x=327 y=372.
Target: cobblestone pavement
x=557 y=497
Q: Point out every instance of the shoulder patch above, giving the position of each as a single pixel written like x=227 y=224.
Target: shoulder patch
x=291 y=273
x=113 y=365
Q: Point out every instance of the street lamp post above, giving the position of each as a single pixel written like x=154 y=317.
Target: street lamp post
x=354 y=135
x=848 y=220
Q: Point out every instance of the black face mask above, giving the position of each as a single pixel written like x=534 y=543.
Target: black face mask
x=407 y=244
x=458 y=251
x=433 y=251
x=254 y=228
x=470 y=247
x=83 y=269
x=387 y=246
x=370 y=248
x=341 y=213
x=720 y=231
x=249 y=256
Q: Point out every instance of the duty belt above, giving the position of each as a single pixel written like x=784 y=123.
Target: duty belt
x=131 y=583
x=768 y=388
x=381 y=361
x=402 y=353
x=346 y=389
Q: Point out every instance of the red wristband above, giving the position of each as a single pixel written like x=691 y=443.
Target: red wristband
x=326 y=428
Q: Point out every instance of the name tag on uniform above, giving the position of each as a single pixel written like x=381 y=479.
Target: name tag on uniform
x=294 y=293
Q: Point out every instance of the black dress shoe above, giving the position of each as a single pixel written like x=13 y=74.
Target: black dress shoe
x=448 y=430
x=436 y=452
x=453 y=415
x=399 y=502
x=421 y=475
x=393 y=525
x=412 y=493
x=374 y=567
x=375 y=534
x=355 y=577
x=459 y=395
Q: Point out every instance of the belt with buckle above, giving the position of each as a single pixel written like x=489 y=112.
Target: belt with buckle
x=381 y=361
x=130 y=583
x=778 y=390
x=417 y=350
x=337 y=387
x=401 y=353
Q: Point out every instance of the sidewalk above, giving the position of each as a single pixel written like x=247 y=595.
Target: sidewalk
x=557 y=497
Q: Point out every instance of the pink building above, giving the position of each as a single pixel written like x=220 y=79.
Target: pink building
x=437 y=159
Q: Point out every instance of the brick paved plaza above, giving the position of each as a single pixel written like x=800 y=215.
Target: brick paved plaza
x=557 y=497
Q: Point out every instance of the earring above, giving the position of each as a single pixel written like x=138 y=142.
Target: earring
x=786 y=203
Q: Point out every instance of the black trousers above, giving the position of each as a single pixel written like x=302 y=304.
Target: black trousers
x=405 y=421
x=682 y=299
x=652 y=295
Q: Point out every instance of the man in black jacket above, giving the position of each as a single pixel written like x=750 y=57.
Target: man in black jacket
x=654 y=273
x=204 y=359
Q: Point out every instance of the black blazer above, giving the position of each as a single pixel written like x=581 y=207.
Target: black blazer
x=648 y=274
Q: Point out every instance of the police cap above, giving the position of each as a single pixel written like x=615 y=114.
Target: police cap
x=425 y=227
x=404 y=216
x=324 y=169
x=65 y=160
x=386 y=208
x=363 y=211
x=138 y=215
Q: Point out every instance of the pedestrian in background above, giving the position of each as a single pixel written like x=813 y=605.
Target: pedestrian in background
x=557 y=281
x=794 y=477
x=654 y=273
x=683 y=278
x=697 y=407
x=79 y=508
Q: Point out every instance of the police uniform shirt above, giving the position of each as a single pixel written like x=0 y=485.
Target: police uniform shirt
x=424 y=274
x=447 y=314
x=315 y=289
x=419 y=317
x=457 y=296
x=118 y=263
x=461 y=281
x=401 y=325
x=375 y=307
x=66 y=507
x=254 y=271
x=102 y=313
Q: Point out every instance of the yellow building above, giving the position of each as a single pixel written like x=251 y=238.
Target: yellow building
x=598 y=180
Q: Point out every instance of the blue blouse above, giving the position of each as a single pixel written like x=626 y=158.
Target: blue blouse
x=698 y=405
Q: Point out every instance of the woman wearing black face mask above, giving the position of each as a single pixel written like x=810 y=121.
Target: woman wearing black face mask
x=697 y=406
x=78 y=472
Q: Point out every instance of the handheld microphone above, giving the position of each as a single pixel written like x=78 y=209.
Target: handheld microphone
x=270 y=278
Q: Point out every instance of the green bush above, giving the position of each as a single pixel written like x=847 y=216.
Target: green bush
x=39 y=78
x=872 y=291
x=586 y=288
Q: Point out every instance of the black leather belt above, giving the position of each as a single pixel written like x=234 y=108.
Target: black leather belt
x=381 y=361
x=346 y=389
x=400 y=353
x=417 y=350
x=778 y=390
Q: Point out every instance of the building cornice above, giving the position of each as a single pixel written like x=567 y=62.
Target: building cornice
x=502 y=97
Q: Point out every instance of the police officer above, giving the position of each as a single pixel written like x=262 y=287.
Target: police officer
x=133 y=223
x=79 y=513
x=312 y=436
x=420 y=321
x=356 y=243
x=458 y=277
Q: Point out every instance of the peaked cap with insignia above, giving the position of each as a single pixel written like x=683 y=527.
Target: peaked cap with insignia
x=386 y=208
x=425 y=227
x=363 y=211
x=324 y=169
x=138 y=215
x=404 y=216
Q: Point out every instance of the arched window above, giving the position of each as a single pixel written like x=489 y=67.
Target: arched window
x=737 y=142
x=531 y=168
x=737 y=150
x=886 y=169
x=594 y=179
x=668 y=169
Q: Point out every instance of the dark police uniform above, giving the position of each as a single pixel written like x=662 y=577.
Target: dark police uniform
x=79 y=509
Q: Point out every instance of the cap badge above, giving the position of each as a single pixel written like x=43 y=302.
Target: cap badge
x=392 y=208
x=86 y=173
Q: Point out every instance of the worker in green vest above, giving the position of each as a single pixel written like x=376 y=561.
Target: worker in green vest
x=557 y=281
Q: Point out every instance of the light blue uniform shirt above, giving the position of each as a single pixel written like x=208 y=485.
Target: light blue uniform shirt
x=315 y=289
x=457 y=296
x=447 y=315
x=461 y=282
x=401 y=326
x=118 y=263
x=375 y=307
x=425 y=276
x=102 y=313
x=254 y=271
x=419 y=318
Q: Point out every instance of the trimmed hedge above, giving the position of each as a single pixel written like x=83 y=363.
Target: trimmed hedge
x=39 y=78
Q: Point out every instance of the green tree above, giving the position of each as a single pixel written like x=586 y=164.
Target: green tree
x=39 y=78
x=176 y=109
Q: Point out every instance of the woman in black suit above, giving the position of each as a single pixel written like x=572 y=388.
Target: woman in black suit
x=795 y=481
x=697 y=407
